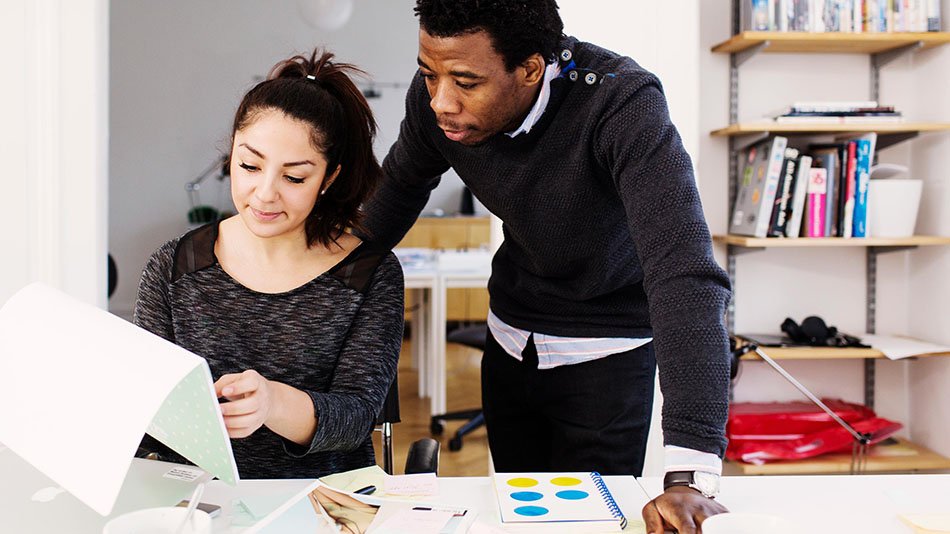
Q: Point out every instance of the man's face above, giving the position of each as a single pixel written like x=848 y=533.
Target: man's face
x=472 y=94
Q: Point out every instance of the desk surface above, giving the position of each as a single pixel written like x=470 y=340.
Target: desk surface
x=474 y=493
x=865 y=504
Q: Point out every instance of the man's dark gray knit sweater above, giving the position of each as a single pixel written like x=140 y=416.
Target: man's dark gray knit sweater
x=604 y=234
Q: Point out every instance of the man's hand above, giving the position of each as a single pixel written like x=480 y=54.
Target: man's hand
x=680 y=509
x=250 y=402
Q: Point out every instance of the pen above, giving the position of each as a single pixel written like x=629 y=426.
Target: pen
x=368 y=490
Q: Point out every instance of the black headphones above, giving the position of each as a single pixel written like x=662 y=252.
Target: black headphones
x=813 y=331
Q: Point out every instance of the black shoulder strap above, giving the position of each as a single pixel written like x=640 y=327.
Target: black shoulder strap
x=195 y=251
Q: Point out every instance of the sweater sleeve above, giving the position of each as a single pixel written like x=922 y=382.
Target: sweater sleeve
x=411 y=170
x=366 y=367
x=687 y=290
x=152 y=309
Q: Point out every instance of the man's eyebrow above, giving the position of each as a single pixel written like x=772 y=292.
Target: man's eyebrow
x=456 y=73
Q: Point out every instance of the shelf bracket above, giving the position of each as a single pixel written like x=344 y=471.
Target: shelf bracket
x=881 y=59
x=740 y=57
x=885 y=250
x=742 y=142
x=885 y=140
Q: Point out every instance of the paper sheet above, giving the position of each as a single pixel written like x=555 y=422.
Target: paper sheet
x=897 y=348
x=408 y=485
x=81 y=378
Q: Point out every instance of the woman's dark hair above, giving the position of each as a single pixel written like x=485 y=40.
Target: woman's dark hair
x=320 y=93
x=518 y=28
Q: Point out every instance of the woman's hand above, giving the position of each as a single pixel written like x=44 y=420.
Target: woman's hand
x=250 y=401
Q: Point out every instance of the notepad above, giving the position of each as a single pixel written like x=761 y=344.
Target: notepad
x=537 y=498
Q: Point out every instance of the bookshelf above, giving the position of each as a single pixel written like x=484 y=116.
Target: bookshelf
x=881 y=48
x=784 y=242
x=826 y=353
x=829 y=42
x=895 y=455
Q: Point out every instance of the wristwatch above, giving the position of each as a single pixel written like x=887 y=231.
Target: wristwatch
x=701 y=481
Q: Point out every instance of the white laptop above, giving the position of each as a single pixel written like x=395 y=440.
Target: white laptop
x=30 y=502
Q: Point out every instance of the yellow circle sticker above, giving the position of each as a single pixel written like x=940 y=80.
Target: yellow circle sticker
x=565 y=481
x=522 y=482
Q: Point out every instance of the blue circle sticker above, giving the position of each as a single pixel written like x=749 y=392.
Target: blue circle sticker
x=531 y=511
x=526 y=495
x=572 y=495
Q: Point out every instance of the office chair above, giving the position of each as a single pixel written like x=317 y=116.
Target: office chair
x=471 y=336
x=423 y=456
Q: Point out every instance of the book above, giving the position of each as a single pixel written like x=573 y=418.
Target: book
x=755 y=193
x=815 y=204
x=862 y=179
x=847 y=193
x=799 y=195
x=783 y=194
x=579 y=500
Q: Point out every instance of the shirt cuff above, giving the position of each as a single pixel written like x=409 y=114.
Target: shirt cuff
x=683 y=459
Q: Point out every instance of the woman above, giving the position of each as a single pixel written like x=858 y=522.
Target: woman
x=300 y=322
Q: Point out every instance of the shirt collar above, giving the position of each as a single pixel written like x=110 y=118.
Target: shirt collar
x=550 y=72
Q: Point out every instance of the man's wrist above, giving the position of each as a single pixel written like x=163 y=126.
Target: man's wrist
x=704 y=482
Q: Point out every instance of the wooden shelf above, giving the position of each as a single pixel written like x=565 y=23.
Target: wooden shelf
x=785 y=242
x=830 y=42
x=890 y=456
x=745 y=128
x=824 y=353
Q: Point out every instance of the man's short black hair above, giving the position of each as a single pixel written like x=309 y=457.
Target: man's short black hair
x=518 y=28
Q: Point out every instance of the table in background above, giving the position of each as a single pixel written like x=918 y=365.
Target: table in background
x=429 y=284
x=865 y=504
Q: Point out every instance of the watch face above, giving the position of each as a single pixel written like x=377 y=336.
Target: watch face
x=707 y=483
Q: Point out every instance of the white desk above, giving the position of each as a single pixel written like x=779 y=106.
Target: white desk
x=429 y=287
x=863 y=504
x=474 y=493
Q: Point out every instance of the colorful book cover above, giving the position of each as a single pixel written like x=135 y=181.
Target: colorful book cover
x=847 y=216
x=581 y=498
x=799 y=194
x=761 y=167
x=863 y=177
x=816 y=205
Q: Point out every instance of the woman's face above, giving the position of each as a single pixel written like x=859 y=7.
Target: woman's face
x=276 y=174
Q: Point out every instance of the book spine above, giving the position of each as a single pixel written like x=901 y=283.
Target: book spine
x=863 y=172
x=774 y=170
x=817 y=191
x=794 y=228
x=608 y=499
x=847 y=218
x=784 y=194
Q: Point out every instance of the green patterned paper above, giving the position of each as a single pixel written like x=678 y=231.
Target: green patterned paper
x=189 y=422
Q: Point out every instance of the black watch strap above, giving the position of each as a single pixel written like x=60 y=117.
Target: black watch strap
x=677 y=478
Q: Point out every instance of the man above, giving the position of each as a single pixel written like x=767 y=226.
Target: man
x=606 y=258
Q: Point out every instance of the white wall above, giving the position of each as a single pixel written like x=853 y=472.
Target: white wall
x=53 y=146
x=912 y=286
x=179 y=69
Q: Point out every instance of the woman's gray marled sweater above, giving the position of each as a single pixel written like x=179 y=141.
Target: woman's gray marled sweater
x=337 y=337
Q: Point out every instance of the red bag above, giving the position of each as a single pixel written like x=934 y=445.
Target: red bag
x=761 y=432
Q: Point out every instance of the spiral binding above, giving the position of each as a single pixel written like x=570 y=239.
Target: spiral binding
x=608 y=499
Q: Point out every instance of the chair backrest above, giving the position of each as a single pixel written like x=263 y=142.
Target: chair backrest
x=423 y=456
x=388 y=415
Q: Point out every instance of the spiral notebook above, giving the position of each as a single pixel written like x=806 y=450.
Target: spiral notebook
x=537 y=498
